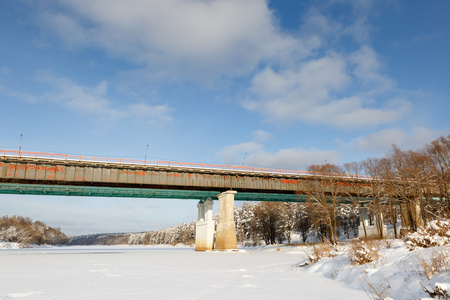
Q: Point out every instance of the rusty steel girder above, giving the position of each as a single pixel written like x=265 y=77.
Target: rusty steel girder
x=81 y=173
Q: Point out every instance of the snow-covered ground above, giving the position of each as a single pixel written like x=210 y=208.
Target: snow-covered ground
x=157 y=272
x=398 y=274
x=119 y=272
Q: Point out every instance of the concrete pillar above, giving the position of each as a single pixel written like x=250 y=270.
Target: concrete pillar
x=204 y=227
x=371 y=230
x=226 y=229
x=383 y=227
x=201 y=210
x=209 y=210
x=365 y=216
x=364 y=222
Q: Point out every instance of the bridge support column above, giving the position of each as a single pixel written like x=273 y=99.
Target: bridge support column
x=226 y=229
x=366 y=230
x=204 y=228
x=364 y=223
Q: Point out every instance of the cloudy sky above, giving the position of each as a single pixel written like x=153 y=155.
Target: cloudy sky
x=291 y=83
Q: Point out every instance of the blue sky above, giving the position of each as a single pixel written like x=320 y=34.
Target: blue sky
x=291 y=83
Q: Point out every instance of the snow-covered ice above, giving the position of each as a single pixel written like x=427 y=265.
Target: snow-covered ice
x=163 y=272
x=139 y=272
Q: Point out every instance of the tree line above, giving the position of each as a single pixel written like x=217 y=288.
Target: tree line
x=410 y=185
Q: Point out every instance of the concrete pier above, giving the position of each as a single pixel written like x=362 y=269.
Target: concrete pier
x=371 y=230
x=226 y=229
x=204 y=228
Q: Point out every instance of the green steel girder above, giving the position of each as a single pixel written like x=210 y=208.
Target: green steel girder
x=95 y=191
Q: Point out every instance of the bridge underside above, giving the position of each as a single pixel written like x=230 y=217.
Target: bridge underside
x=96 y=191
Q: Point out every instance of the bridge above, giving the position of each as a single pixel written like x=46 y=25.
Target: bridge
x=33 y=173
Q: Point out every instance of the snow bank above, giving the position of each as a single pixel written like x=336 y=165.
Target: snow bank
x=399 y=273
x=9 y=245
x=436 y=233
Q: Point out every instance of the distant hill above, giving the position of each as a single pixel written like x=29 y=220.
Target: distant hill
x=184 y=234
x=100 y=239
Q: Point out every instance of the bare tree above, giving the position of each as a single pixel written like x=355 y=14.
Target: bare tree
x=358 y=195
x=267 y=221
x=325 y=190
x=413 y=173
x=303 y=222
x=373 y=167
x=439 y=154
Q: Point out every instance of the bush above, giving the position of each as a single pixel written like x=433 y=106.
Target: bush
x=321 y=251
x=22 y=230
x=363 y=252
x=439 y=262
x=441 y=290
x=437 y=233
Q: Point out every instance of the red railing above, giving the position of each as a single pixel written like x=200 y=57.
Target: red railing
x=80 y=158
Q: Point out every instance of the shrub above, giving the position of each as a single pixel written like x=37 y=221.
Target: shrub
x=374 y=291
x=441 y=290
x=22 y=230
x=437 y=233
x=363 y=252
x=439 y=262
x=321 y=251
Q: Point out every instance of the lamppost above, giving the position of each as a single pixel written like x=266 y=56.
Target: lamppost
x=243 y=160
x=146 y=149
x=20 y=147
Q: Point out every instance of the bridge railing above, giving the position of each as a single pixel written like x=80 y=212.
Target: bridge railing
x=95 y=159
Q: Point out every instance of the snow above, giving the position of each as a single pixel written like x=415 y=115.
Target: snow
x=9 y=245
x=398 y=272
x=12 y=245
x=163 y=272
x=143 y=272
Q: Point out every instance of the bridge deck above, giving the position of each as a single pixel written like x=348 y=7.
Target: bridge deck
x=31 y=174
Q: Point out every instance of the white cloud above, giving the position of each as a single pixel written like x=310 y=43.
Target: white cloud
x=306 y=76
x=23 y=96
x=309 y=92
x=235 y=154
x=253 y=154
x=334 y=85
x=262 y=135
x=293 y=158
x=292 y=94
x=382 y=141
x=196 y=37
x=149 y=113
x=65 y=27
x=289 y=159
x=367 y=70
x=322 y=27
x=94 y=102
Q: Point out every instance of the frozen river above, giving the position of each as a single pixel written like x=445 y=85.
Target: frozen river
x=122 y=272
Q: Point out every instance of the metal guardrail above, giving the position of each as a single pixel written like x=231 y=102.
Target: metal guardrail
x=80 y=158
